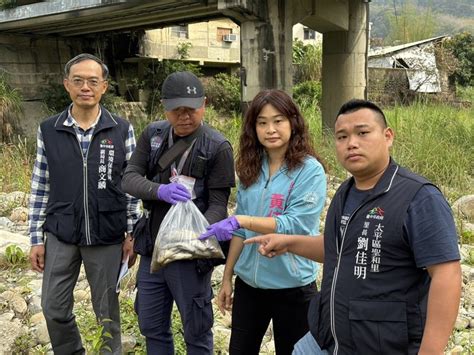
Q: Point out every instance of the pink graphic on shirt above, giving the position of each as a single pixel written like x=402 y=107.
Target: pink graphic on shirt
x=276 y=205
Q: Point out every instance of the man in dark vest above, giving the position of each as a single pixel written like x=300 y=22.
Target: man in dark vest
x=180 y=147
x=78 y=212
x=392 y=278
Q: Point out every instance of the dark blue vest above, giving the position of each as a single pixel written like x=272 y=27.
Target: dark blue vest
x=373 y=298
x=86 y=205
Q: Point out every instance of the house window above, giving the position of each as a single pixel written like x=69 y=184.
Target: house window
x=308 y=33
x=180 y=31
x=221 y=32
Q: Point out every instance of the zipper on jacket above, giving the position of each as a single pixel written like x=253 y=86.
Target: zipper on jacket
x=86 y=200
x=334 y=281
x=260 y=209
x=266 y=184
x=84 y=187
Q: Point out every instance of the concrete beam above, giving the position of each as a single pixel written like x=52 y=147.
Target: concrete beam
x=61 y=17
x=241 y=10
x=327 y=15
x=344 y=63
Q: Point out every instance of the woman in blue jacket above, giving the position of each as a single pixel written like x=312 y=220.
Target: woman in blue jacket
x=282 y=190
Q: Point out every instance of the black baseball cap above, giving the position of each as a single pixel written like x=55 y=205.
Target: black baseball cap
x=182 y=89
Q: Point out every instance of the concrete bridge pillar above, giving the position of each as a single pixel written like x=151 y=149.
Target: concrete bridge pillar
x=345 y=63
x=266 y=49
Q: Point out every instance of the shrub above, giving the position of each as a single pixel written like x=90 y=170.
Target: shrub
x=307 y=93
x=223 y=92
x=307 y=61
x=10 y=107
x=57 y=99
x=462 y=47
x=8 y=4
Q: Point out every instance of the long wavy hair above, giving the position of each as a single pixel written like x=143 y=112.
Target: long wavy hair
x=251 y=151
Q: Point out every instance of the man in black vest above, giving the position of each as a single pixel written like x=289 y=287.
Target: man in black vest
x=181 y=146
x=392 y=278
x=78 y=212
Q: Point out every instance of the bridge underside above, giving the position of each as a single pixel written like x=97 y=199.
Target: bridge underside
x=266 y=38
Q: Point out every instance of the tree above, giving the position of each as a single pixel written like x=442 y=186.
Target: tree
x=462 y=47
x=409 y=23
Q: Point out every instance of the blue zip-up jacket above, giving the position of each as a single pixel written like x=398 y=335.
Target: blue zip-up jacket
x=295 y=199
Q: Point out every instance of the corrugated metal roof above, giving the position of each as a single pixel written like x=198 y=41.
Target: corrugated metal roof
x=387 y=50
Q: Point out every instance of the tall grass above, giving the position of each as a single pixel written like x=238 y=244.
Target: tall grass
x=436 y=141
x=433 y=140
x=16 y=164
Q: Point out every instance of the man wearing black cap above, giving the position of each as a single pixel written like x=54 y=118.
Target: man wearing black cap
x=182 y=145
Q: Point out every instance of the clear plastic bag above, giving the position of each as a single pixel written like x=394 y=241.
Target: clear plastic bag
x=178 y=235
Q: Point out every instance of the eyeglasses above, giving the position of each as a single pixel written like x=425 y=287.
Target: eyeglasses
x=92 y=83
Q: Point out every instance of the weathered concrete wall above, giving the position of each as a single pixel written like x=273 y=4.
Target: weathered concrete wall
x=266 y=50
x=32 y=63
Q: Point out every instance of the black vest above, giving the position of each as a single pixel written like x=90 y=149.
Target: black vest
x=86 y=205
x=373 y=297
x=202 y=156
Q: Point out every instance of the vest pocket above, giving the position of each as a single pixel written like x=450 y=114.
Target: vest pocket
x=112 y=219
x=60 y=222
x=378 y=327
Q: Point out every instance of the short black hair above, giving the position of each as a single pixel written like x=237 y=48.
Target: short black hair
x=357 y=104
x=86 y=56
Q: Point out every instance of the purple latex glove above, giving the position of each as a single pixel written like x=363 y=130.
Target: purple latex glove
x=173 y=193
x=222 y=230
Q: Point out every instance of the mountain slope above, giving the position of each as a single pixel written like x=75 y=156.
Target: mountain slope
x=451 y=16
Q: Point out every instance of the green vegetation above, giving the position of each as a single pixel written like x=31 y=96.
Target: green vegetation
x=223 y=93
x=16 y=163
x=308 y=93
x=462 y=47
x=410 y=24
x=56 y=99
x=183 y=49
x=450 y=16
x=307 y=64
x=436 y=141
x=307 y=61
x=433 y=140
x=10 y=107
x=94 y=336
x=15 y=255
x=23 y=343
x=7 y=4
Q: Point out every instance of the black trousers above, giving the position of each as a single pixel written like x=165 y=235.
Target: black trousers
x=253 y=308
